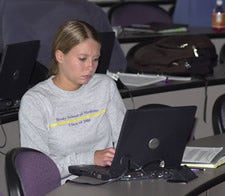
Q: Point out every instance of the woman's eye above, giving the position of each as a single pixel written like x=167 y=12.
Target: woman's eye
x=96 y=60
x=82 y=59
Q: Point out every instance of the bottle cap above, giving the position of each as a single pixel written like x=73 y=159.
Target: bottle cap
x=219 y=2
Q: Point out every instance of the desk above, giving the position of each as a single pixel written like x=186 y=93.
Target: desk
x=206 y=180
x=178 y=93
x=104 y=3
x=130 y=37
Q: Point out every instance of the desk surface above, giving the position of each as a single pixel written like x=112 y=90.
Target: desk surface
x=217 y=78
x=131 y=37
x=206 y=180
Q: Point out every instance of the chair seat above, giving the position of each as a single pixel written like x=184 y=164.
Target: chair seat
x=30 y=172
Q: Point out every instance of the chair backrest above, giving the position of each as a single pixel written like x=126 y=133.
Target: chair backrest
x=128 y=13
x=222 y=54
x=153 y=105
x=30 y=172
x=218 y=115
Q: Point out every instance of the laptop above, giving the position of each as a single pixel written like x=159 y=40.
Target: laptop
x=107 y=44
x=147 y=136
x=17 y=64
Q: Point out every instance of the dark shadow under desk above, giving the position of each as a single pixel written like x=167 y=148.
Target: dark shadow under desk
x=206 y=180
x=9 y=116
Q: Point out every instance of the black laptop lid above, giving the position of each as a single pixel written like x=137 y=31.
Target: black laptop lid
x=107 y=44
x=17 y=63
x=151 y=135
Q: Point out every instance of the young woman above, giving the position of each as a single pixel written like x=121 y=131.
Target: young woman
x=74 y=116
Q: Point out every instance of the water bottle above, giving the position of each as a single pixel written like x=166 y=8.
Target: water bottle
x=218 y=17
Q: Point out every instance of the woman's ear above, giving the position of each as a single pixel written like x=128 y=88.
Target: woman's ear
x=59 y=56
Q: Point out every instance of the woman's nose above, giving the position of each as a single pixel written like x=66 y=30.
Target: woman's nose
x=91 y=64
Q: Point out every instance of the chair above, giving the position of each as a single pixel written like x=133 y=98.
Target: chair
x=222 y=54
x=127 y=13
x=153 y=105
x=39 y=19
x=218 y=115
x=30 y=172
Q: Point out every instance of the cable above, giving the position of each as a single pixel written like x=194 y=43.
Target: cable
x=5 y=140
x=121 y=85
x=205 y=101
x=131 y=97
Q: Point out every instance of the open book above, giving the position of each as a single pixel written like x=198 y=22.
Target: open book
x=203 y=157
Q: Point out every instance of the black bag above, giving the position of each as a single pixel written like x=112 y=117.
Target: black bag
x=189 y=55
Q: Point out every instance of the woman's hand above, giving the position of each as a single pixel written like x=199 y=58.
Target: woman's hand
x=104 y=157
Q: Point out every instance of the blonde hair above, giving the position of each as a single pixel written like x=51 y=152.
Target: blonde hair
x=70 y=34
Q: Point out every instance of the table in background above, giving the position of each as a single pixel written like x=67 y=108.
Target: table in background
x=206 y=180
x=131 y=37
x=104 y=3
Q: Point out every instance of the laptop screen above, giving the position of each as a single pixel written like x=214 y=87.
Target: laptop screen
x=151 y=135
x=17 y=63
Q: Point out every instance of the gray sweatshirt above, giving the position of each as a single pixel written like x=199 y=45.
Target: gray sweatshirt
x=69 y=126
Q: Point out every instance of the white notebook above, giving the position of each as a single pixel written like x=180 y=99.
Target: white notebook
x=138 y=80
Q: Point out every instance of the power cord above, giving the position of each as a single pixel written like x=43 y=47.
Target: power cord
x=121 y=85
x=5 y=140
